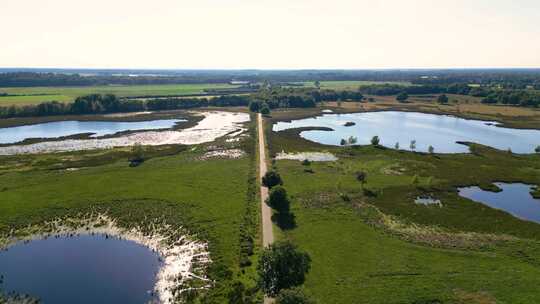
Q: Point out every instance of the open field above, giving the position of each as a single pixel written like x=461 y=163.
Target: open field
x=207 y=196
x=36 y=95
x=378 y=246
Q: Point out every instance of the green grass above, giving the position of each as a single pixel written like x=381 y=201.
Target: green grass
x=355 y=261
x=351 y=84
x=68 y=94
x=206 y=197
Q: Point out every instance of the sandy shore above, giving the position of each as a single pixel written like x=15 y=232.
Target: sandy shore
x=183 y=259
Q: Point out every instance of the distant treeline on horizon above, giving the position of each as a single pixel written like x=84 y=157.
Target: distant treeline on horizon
x=11 y=77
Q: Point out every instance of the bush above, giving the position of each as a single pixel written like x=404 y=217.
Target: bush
x=278 y=199
x=271 y=179
x=293 y=296
x=442 y=99
x=402 y=97
x=282 y=266
x=265 y=110
x=537 y=149
x=306 y=162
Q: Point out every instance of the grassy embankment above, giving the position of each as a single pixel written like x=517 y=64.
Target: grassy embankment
x=212 y=198
x=378 y=246
x=35 y=95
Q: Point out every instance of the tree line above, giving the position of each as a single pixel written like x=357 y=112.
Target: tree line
x=490 y=95
x=108 y=103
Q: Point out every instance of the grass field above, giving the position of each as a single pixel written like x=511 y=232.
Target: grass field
x=463 y=252
x=351 y=85
x=68 y=94
x=208 y=197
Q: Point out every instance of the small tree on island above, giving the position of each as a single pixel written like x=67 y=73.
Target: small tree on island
x=352 y=140
x=442 y=99
x=396 y=146
x=293 y=296
x=431 y=150
x=271 y=179
x=282 y=266
x=402 y=97
x=343 y=142
x=375 y=140
x=537 y=149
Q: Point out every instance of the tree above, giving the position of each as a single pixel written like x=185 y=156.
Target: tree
x=442 y=99
x=375 y=140
x=413 y=145
x=278 y=199
x=293 y=296
x=431 y=150
x=265 y=109
x=137 y=155
x=306 y=162
x=343 y=142
x=396 y=146
x=271 y=179
x=281 y=266
x=318 y=84
x=352 y=140
x=537 y=149
x=402 y=97
x=254 y=106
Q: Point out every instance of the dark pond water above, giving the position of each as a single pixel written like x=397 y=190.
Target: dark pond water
x=82 y=269
x=67 y=128
x=515 y=199
x=439 y=131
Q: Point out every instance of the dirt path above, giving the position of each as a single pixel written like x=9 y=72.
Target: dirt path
x=268 y=234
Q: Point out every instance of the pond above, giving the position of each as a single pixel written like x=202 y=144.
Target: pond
x=80 y=269
x=213 y=125
x=67 y=128
x=515 y=199
x=440 y=131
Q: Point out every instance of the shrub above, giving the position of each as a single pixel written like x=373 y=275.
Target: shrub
x=293 y=296
x=306 y=162
x=537 y=149
x=442 y=99
x=282 y=266
x=431 y=150
x=271 y=179
x=402 y=97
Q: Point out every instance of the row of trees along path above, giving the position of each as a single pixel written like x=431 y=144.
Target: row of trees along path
x=267 y=232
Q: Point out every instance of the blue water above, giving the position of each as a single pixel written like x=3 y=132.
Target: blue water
x=82 y=269
x=515 y=199
x=67 y=128
x=439 y=131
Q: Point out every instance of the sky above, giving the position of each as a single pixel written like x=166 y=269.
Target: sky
x=270 y=34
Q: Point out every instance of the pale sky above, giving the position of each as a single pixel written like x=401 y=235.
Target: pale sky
x=269 y=34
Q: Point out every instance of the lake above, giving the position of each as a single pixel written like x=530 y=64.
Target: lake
x=80 y=269
x=515 y=199
x=440 y=131
x=71 y=127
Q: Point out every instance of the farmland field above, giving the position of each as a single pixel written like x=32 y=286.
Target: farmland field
x=34 y=95
x=351 y=84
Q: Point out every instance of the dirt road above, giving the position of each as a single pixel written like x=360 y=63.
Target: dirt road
x=268 y=234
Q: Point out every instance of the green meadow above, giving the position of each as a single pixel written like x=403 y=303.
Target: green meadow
x=372 y=243
x=34 y=95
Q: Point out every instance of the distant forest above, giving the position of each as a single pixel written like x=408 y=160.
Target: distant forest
x=509 y=78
